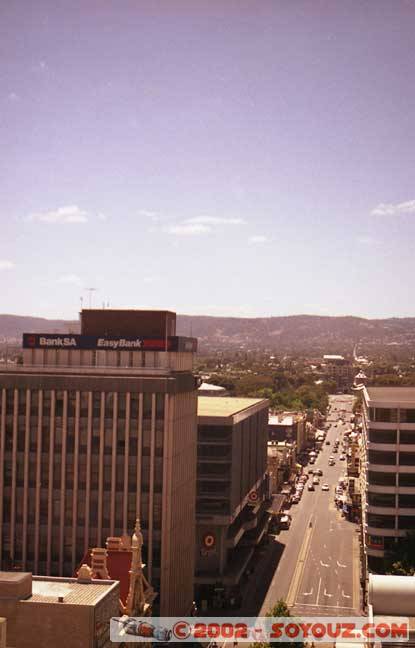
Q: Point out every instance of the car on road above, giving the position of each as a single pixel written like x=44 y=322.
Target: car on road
x=311 y=471
x=332 y=462
x=335 y=449
x=310 y=487
x=327 y=442
x=325 y=487
x=316 y=481
x=285 y=522
x=312 y=461
x=318 y=472
x=342 y=457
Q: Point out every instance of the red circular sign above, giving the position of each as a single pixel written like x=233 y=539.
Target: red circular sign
x=209 y=540
x=253 y=496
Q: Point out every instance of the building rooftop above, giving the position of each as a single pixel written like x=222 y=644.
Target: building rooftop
x=227 y=408
x=213 y=388
x=49 y=590
x=274 y=419
x=389 y=396
x=333 y=357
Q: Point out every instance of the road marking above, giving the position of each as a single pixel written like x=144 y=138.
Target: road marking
x=308 y=593
x=346 y=595
x=298 y=572
x=339 y=564
x=324 y=564
x=318 y=592
x=337 y=607
x=326 y=594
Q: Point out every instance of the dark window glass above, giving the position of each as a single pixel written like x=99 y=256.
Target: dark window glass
x=385 y=415
x=147 y=406
x=381 y=521
x=407 y=436
x=406 y=479
x=382 y=436
x=381 y=479
x=379 y=499
x=407 y=458
x=407 y=415
x=407 y=501
x=382 y=458
x=407 y=522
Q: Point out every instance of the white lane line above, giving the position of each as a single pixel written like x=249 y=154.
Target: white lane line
x=341 y=607
x=339 y=564
x=318 y=592
x=326 y=594
x=308 y=593
x=346 y=595
x=324 y=564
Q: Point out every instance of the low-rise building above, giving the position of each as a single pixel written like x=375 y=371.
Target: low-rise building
x=232 y=490
x=206 y=389
x=288 y=426
x=48 y=611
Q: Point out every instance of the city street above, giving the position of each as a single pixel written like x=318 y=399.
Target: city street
x=318 y=572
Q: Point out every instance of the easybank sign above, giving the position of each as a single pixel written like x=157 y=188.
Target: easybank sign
x=97 y=343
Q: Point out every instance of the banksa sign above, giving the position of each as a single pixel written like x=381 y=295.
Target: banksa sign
x=103 y=343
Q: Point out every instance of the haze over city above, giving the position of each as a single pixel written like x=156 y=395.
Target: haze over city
x=235 y=158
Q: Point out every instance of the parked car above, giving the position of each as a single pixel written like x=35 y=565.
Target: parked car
x=310 y=487
x=285 y=522
x=325 y=487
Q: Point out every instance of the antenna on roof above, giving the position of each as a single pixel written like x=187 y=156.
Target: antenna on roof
x=90 y=290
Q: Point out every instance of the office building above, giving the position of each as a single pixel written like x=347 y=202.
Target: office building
x=339 y=370
x=387 y=468
x=231 y=508
x=69 y=612
x=96 y=430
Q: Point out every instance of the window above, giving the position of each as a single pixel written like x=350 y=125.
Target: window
x=382 y=436
x=407 y=458
x=381 y=521
x=384 y=415
x=406 y=522
x=407 y=415
x=379 y=499
x=382 y=458
x=407 y=436
x=407 y=501
x=406 y=479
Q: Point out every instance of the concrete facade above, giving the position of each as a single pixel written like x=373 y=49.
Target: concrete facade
x=387 y=467
x=89 y=441
x=57 y=611
x=231 y=507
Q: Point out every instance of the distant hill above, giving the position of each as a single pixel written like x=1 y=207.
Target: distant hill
x=296 y=333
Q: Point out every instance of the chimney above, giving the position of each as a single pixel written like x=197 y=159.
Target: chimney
x=99 y=563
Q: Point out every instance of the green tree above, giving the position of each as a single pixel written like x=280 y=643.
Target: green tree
x=280 y=609
x=400 y=560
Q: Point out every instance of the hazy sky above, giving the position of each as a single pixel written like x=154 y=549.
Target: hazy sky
x=213 y=157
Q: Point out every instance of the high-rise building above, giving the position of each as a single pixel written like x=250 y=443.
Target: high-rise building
x=388 y=468
x=232 y=490
x=96 y=430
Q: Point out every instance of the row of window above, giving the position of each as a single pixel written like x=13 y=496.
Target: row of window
x=108 y=402
x=388 y=521
x=391 y=479
x=380 y=457
x=386 y=499
x=391 y=436
x=391 y=415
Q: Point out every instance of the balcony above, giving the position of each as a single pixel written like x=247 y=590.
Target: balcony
x=380 y=531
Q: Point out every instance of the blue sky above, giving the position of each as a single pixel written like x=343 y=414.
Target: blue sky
x=225 y=158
